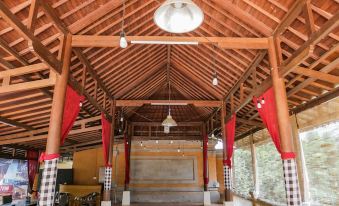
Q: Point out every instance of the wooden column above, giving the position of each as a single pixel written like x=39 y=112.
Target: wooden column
x=58 y=103
x=285 y=130
x=228 y=192
x=48 y=180
x=127 y=143
x=254 y=168
x=281 y=100
x=299 y=158
x=107 y=193
x=205 y=156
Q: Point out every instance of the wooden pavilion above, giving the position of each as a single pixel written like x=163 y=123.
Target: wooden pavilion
x=249 y=45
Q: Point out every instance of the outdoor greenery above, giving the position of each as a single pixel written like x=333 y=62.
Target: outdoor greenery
x=321 y=153
x=243 y=172
x=270 y=174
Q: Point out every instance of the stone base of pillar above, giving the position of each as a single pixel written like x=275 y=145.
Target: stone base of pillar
x=126 y=198
x=228 y=203
x=106 y=203
x=207 y=198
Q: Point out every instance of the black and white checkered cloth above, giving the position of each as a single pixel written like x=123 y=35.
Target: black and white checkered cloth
x=48 y=182
x=108 y=178
x=291 y=182
x=228 y=177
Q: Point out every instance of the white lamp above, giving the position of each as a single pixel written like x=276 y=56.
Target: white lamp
x=123 y=40
x=215 y=79
x=178 y=16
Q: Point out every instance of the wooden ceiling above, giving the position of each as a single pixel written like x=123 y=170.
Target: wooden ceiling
x=139 y=72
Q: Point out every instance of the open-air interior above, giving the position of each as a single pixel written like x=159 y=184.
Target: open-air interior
x=169 y=102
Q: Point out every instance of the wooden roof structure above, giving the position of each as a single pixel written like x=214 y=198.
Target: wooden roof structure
x=232 y=40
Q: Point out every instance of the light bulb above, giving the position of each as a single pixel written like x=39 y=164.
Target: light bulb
x=262 y=101
x=258 y=105
x=140 y=144
x=156 y=141
x=215 y=81
x=178 y=150
x=171 y=142
x=121 y=119
x=123 y=40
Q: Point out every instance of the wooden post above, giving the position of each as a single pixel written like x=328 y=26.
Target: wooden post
x=254 y=168
x=285 y=131
x=205 y=157
x=228 y=192
x=299 y=158
x=48 y=181
x=107 y=193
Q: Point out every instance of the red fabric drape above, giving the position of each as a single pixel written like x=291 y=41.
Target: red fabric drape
x=71 y=111
x=230 y=133
x=268 y=114
x=106 y=135
x=32 y=161
x=126 y=160
x=205 y=159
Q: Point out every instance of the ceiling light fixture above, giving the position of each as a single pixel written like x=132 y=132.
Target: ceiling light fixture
x=169 y=121
x=123 y=41
x=178 y=16
x=165 y=42
x=215 y=79
x=215 y=76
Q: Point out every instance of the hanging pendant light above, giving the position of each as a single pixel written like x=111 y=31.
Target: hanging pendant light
x=169 y=121
x=123 y=41
x=215 y=79
x=215 y=76
x=178 y=16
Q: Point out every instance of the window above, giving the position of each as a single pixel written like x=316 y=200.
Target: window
x=270 y=174
x=13 y=178
x=321 y=154
x=243 y=171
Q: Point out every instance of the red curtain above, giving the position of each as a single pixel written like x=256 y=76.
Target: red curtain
x=126 y=160
x=71 y=111
x=268 y=114
x=32 y=161
x=205 y=159
x=230 y=133
x=106 y=136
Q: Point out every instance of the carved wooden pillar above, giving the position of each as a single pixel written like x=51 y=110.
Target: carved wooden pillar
x=289 y=164
x=51 y=157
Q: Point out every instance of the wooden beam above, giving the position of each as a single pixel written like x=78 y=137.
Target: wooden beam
x=317 y=75
x=247 y=73
x=14 y=123
x=317 y=101
x=309 y=19
x=223 y=42
x=290 y=16
x=34 y=43
x=32 y=16
x=250 y=122
x=7 y=87
x=93 y=73
x=139 y=103
x=301 y=53
x=93 y=16
x=244 y=16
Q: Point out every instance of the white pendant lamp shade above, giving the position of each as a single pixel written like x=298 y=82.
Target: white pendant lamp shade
x=178 y=16
x=169 y=121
